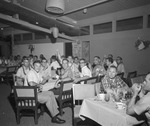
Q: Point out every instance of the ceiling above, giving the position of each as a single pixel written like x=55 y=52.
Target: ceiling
x=33 y=11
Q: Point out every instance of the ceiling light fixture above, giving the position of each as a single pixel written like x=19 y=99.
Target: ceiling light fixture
x=55 y=6
x=55 y=32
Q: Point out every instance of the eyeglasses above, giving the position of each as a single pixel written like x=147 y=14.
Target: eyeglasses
x=82 y=62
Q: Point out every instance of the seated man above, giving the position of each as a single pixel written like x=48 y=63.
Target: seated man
x=45 y=70
x=66 y=72
x=21 y=79
x=47 y=97
x=98 y=69
x=121 y=67
x=142 y=106
x=113 y=84
x=85 y=71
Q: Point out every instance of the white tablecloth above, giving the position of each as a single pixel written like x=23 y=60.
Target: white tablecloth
x=106 y=113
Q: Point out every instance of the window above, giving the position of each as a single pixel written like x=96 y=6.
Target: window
x=40 y=35
x=102 y=28
x=17 y=37
x=27 y=36
x=85 y=30
x=130 y=24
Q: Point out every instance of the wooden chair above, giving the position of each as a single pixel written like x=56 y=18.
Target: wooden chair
x=90 y=80
x=8 y=74
x=138 y=79
x=25 y=100
x=121 y=75
x=131 y=75
x=80 y=92
x=64 y=97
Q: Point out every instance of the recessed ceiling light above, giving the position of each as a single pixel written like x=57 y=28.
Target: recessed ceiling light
x=36 y=22
x=2 y=28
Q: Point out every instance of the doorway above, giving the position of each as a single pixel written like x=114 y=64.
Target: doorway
x=68 y=49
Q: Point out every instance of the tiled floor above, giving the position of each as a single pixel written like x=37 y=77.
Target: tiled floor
x=7 y=115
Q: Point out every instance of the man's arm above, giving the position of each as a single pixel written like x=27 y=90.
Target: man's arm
x=130 y=107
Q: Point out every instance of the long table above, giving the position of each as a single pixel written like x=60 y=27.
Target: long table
x=106 y=113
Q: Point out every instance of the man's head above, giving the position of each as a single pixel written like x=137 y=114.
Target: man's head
x=37 y=66
x=25 y=62
x=119 y=60
x=109 y=61
x=110 y=56
x=146 y=85
x=70 y=59
x=97 y=60
x=112 y=72
x=44 y=62
x=82 y=63
x=65 y=63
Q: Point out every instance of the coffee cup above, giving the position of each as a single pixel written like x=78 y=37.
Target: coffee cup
x=120 y=105
x=101 y=97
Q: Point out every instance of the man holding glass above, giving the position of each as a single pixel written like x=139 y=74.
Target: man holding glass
x=142 y=106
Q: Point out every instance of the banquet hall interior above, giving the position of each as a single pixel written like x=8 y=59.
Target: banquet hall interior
x=77 y=28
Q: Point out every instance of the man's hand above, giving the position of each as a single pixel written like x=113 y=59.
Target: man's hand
x=57 y=84
x=40 y=87
x=136 y=89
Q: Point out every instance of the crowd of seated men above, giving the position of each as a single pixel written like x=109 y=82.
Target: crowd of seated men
x=11 y=61
x=38 y=71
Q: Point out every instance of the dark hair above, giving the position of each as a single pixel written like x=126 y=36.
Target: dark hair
x=37 y=61
x=110 y=60
x=83 y=60
x=53 y=57
x=65 y=59
x=76 y=57
x=24 y=58
x=118 y=57
x=44 y=59
x=31 y=55
x=110 y=56
x=97 y=57
x=113 y=67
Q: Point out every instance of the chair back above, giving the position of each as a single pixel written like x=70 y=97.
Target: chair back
x=90 y=80
x=25 y=96
x=64 y=95
x=67 y=85
x=121 y=75
x=11 y=69
x=81 y=92
x=132 y=74
x=138 y=79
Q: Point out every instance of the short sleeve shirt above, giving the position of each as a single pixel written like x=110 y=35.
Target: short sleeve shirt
x=22 y=73
x=143 y=105
x=33 y=76
x=114 y=83
x=46 y=72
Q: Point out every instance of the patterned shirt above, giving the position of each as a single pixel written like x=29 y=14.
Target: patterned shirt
x=114 y=83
